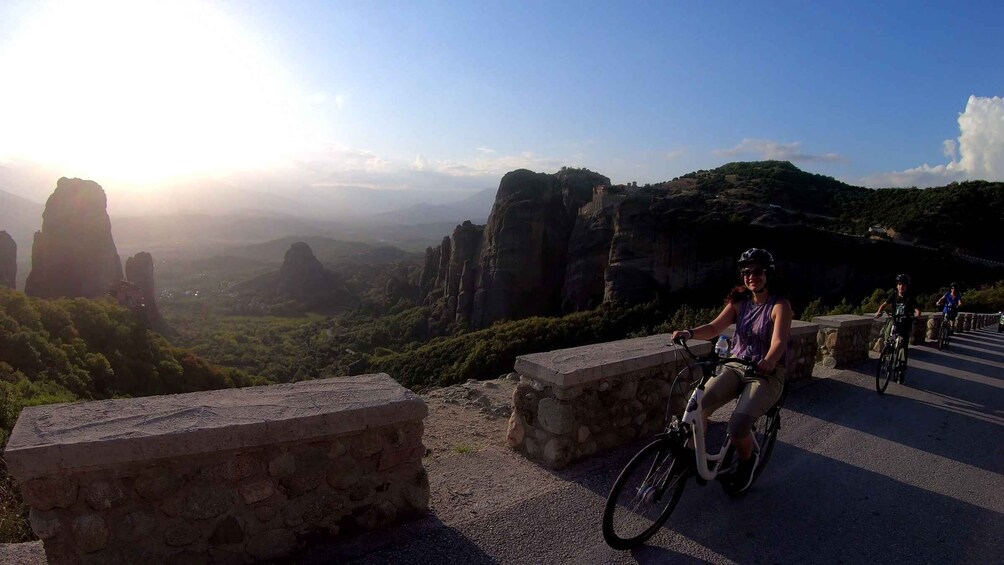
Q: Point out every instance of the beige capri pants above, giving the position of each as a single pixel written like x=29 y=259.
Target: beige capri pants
x=756 y=396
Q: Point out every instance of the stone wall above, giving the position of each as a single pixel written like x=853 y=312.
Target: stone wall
x=571 y=403
x=934 y=321
x=919 y=336
x=968 y=322
x=875 y=339
x=235 y=476
x=843 y=340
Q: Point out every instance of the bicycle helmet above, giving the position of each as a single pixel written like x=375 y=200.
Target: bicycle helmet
x=903 y=278
x=757 y=255
x=954 y=285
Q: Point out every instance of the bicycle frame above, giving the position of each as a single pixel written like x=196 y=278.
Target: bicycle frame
x=894 y=321
x=693 y=419
x=693 y=425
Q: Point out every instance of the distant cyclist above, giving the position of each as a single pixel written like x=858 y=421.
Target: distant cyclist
x=902 y=303
x=762 y=316
x=952 y=300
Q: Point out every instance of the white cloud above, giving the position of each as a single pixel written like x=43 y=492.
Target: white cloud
x=487 y=150
x=981 y=139
x=775 y=150
x=924 y=175
x=673 y=154
x=978 y=154
x=950 y=148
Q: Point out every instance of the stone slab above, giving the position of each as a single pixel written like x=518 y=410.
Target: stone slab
x=843 y=320
x=798 y=327
x=57 y=438
x=587 y=363
x=931 y=315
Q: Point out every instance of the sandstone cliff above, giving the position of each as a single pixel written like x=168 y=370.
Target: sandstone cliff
x=570 y=241
x=139 y=271
x=514 y=266
x=523 y=257
x=74 y=254
x=8 y=261
x=301 y=281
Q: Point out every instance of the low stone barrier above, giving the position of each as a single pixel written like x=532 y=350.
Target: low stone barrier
x=800 y=356
x=969 y=322
x=934 y=321
x=228 y=475
x=843 y=339
x=919 y=336
x=571 y=403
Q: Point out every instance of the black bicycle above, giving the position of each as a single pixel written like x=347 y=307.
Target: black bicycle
x=649 y=487
x=945 y=332
x=892 y=359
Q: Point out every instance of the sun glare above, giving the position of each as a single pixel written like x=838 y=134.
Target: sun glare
x=143 y=92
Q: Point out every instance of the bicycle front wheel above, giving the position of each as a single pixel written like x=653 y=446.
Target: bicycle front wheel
x=765 y=432
x=644 y=495
x=885 y=369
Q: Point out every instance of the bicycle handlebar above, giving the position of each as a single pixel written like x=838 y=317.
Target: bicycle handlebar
x=896 y=316
x=748 y=363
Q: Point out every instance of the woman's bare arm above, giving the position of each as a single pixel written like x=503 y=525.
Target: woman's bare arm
x=711 y=329
x=781 y=315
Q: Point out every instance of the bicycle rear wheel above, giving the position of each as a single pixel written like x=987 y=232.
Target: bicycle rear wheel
x=765 y=432
x=885 y=369
x=644 y=495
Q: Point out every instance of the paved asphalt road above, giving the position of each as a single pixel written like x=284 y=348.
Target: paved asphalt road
x=912 y=476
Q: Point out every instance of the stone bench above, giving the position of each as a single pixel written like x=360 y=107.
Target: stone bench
x=800 y=356
x=843 y=339
x=234 y=475
x=572 y=403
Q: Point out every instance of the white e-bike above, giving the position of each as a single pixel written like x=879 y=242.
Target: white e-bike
x=650 y=485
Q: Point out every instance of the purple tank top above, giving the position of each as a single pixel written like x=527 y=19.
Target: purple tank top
x=754 y=330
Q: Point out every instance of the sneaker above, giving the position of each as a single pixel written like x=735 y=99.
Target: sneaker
x=743 y=476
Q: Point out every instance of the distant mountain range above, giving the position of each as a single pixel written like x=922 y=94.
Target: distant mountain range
x=178 y=230
x=206 y=221
x=474 y=208
x=325 y=249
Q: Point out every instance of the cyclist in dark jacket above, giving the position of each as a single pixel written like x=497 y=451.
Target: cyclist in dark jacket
x=902 y=303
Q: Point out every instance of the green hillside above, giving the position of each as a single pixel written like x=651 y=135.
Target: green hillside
x=78 y=349
x=961 y=215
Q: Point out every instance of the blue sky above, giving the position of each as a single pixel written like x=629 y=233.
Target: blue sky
x=451 y=95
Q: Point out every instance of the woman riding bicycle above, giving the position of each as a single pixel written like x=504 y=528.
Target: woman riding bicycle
x=763 y=322
x=952 y=301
